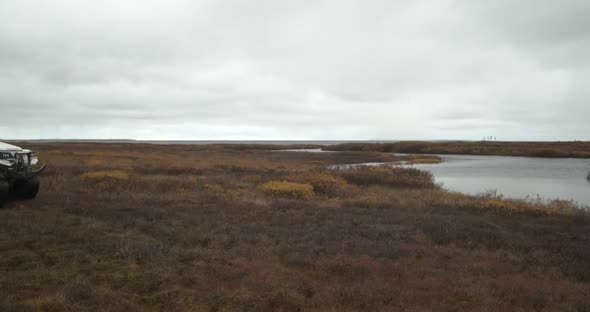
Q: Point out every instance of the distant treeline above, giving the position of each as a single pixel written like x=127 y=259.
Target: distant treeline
x=576 y=149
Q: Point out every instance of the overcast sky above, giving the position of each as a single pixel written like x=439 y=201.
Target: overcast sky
x=269 y=69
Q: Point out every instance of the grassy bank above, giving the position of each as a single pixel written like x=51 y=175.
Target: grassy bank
x=576 y=149
x=131 y=227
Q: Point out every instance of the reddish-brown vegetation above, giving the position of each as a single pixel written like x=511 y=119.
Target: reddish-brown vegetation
x=190 y=230
x=390 y=176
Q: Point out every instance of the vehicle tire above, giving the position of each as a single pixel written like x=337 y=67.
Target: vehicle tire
x=4 y=192
x=27 y=189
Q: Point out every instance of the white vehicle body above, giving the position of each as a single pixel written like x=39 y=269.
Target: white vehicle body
x=18 y=173
x=14 y=151
x=17 y=162
x=9 y=147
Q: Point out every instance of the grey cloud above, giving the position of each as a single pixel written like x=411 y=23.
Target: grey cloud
x=294 y=70
x=538 y=23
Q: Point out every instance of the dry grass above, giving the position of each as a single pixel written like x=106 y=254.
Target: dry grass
x=189 y=230
x=388 y=175
x=538 y=206
x=289 y=190
x=106 y=175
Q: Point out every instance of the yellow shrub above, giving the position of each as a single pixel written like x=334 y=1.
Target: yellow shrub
x=106 y=175
x=323 y=183
x=285 y=189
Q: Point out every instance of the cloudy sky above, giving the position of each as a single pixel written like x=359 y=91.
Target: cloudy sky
x=269 y=69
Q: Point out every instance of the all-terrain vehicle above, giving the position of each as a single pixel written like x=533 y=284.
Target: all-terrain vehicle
x=18 y=173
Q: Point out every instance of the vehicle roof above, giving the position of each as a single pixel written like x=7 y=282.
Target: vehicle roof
x=9 y=147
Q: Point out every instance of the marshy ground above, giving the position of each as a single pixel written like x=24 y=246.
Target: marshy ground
x=132 y=227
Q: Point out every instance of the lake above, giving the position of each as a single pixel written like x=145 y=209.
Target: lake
x=514 y=177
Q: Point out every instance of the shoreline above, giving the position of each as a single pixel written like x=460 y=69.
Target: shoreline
x=574 y=149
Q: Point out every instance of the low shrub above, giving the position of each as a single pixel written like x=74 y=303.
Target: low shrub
x=377 y=201
x=391 y=176
x=501 y=205
x=563 y=207
x=94 y=163
x=516 y=206
x=289 y=190
x=253 y=178
x=106 y=175
x=536 y=206
x=324 y=184
x=214 y=188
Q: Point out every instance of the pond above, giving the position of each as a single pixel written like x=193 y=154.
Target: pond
x=515 y=177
